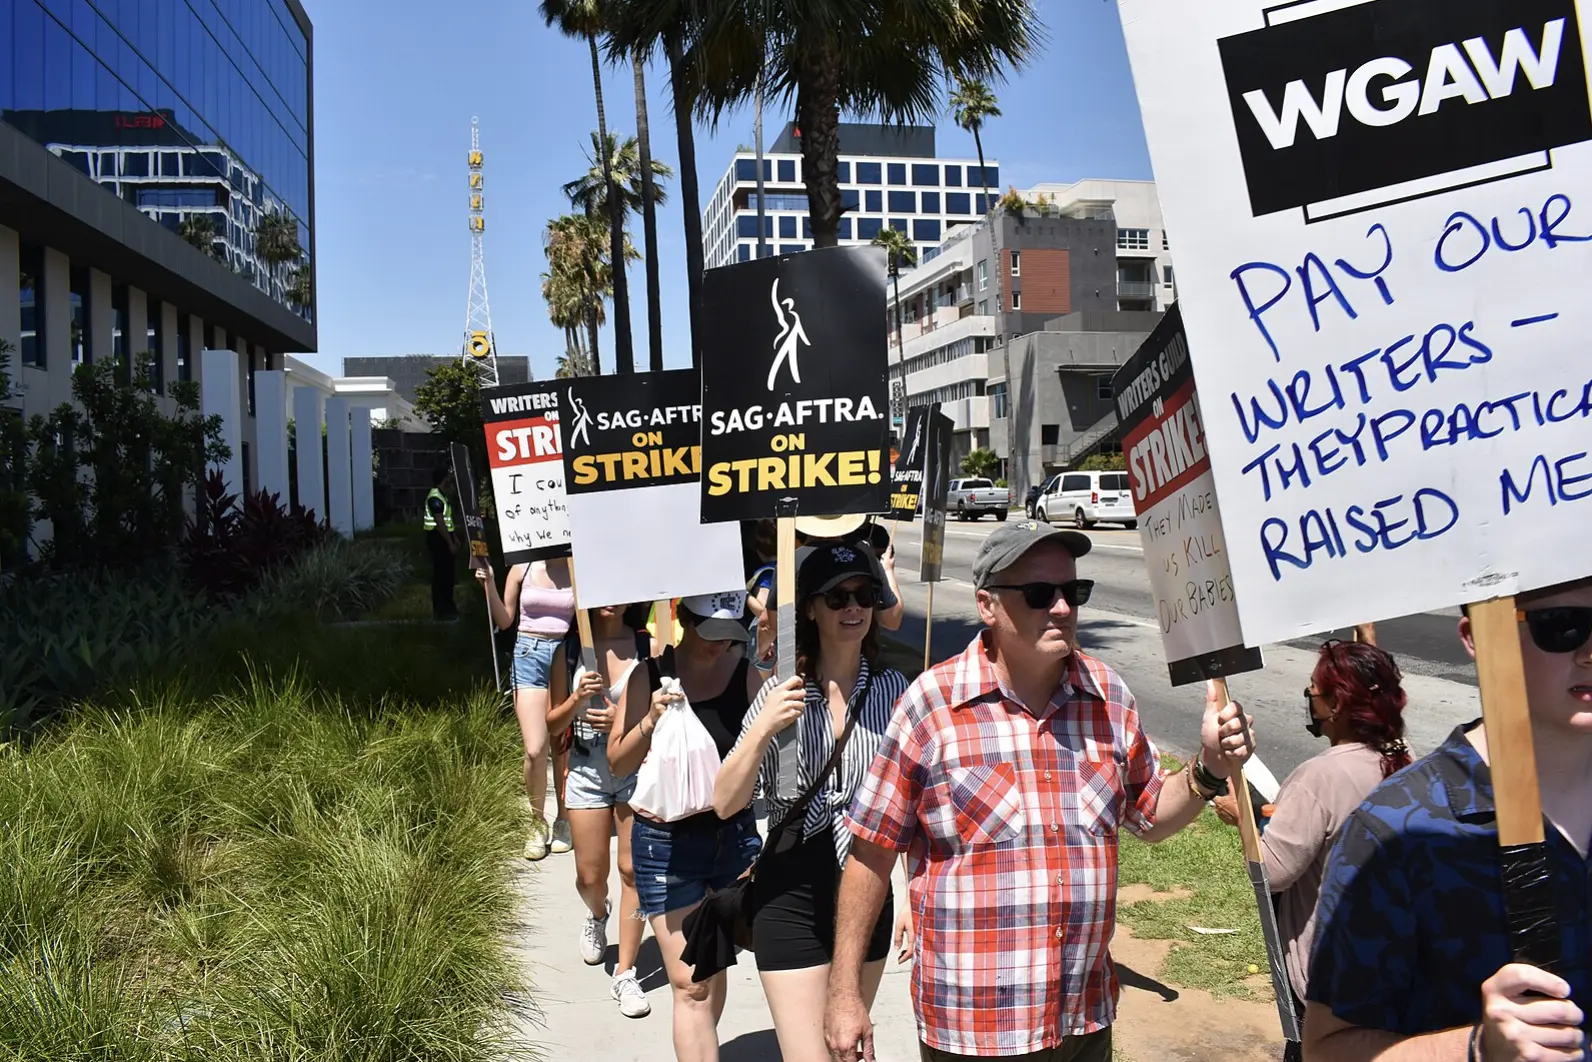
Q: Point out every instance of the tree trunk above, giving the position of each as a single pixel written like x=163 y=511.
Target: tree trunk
x=1012 y=479
x=818 y=115
x=983 y=175
x=757 y=142
x=624 y=356
x=684 y=100
x=649 y=221
x=591 y=337
x=901 y=349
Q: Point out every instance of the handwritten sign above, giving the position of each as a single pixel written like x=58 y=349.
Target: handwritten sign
x=1174 y=494
x=632 y=461
x=524 y=452
x=1382 y=213
x=793 y=386
x=906 y=478
x=936 y=491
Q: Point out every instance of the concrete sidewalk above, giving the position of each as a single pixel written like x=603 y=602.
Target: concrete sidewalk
x=578 y=1020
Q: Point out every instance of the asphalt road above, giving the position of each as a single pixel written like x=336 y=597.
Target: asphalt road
x=1118 y=625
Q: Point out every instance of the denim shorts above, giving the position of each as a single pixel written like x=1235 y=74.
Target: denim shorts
x=533 y=661
x=590 y=784
x=676 y=863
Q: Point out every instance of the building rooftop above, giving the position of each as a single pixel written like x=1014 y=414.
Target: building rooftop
x=860 y=138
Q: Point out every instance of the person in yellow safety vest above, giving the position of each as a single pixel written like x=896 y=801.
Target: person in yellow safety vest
x=442 y=545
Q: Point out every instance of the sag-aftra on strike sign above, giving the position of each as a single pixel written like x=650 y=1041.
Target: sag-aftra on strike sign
x=1382 y=211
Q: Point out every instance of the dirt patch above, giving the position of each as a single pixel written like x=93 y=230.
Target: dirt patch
x=1170 y=1024
x=1137 y=893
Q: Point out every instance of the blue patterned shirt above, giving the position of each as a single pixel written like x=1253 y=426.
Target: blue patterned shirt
x=1411 y=917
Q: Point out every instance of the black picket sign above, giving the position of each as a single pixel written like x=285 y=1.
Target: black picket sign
x=632 y=430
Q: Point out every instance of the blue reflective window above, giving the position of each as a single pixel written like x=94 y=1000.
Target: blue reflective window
x=746 y=225
x=958 y=203
x=897 y=173
x=899 y=224
x=984 y=202
x=904 y=202
x=791 y=248
x=78 y=299
x=850 y=199
x=926 y=230
x=845 y=228
x=184 y=362
x=746 y=169
x=743 y=252
x=926 y=174
x=30 y=288
x=931 y=202
x=875 y=202
x=953 y=176
x=991 y=177
x=868 y=228
x=843 y=172
x=807 y=228
x=868 y=173
x=787 y=171
x=787 y=227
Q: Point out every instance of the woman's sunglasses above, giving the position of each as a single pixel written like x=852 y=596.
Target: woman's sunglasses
x=865 y=596
x=1558 y=630
x=1042 y=596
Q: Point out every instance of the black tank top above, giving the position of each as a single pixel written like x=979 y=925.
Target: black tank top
x=721 y=715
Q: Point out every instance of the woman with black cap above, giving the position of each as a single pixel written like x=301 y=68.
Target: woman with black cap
x=676 y=863
x=841 y=702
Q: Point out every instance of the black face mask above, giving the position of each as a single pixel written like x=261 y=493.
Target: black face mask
x=1313 y=725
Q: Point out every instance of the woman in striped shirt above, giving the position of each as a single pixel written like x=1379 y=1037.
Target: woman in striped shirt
x=839 y=684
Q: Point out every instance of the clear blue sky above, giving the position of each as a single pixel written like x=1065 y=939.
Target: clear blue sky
x=396 y=85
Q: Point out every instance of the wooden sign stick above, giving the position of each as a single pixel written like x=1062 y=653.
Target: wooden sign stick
x=1512 y=757
x=663 y=614
x=928 y=628
x=588 y=651
x=785 y=743
x=1365 y=632
x=1255 y=859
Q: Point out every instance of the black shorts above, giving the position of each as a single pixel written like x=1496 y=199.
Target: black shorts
x=794 y=895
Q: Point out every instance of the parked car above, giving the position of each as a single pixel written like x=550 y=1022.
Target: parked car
x=970 y=499
x=1088 y=498
x=1030 y=505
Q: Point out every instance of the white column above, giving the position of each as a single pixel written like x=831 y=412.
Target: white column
x=270 y=432
x=363 y=470
x=307 y=443
x=218 y=396
x=339 y=467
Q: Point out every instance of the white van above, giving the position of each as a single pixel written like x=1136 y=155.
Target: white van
x=1086 y=498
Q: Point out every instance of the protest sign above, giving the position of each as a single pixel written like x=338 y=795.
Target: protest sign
x=1384 y=242
x=527 y=463
x=794 y=398
x=631 y=458
x=936 y=490
x=1174 y=495
x=469 y=504
x=906 y=478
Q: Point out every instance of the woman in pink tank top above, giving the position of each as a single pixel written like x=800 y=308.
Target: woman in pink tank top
x=539 y=598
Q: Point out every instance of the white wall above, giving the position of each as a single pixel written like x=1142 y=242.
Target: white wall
x=339 y=467
x=309 y=450
x=364 y=483
x=219 y=397
x=270 y=432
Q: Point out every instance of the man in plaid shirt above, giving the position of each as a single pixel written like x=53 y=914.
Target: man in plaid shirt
x=1005 y=775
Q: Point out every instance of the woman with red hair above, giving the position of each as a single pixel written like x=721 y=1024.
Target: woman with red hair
x=1354 y=700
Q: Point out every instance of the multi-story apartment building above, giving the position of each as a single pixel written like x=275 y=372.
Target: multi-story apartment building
x=120 y=122
x=1087 y=258
x=888 y=176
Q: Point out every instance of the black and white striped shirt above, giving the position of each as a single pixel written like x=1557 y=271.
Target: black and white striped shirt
x=816 y=743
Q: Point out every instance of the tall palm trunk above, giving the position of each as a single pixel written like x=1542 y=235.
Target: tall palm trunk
x=762 y=195
x=690 y=201
x=1006 y=344
x=624 y=355
x=591 y=337
x=901 y=347
x=818 y=115
x=649 y=220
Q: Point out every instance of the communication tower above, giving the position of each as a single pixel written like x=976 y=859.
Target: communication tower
x=480 y=348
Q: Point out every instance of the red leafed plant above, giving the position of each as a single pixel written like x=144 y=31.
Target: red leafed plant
x=229 y=547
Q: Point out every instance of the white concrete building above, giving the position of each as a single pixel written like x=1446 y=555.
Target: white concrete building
x=378 y=394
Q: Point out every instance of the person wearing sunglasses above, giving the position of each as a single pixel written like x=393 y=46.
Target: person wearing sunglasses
x=1412 y=958
x=1005 y=775
x=840 y=696
x=1356 y=701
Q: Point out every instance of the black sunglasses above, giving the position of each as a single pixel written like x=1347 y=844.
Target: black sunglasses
x=1558 y=630
x=865 y=596
x=1043 y=595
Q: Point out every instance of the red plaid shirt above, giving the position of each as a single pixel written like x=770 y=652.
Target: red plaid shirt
x=1009 y=819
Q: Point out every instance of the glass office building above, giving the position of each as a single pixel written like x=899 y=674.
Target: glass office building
x=156 y=185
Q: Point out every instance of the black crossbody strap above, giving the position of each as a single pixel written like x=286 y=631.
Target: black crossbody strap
x=798 y=811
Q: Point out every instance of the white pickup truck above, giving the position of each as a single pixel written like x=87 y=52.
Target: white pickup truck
x=970 y=499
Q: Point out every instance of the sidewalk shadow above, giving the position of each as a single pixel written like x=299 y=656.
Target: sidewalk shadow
x=1131 y=978
x=760 y=1046
x=649 y=965
x=1102 y=633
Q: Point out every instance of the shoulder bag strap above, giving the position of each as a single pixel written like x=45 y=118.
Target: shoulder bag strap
x=798 y=811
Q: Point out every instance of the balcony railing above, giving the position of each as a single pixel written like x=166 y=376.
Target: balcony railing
x=1136 y=289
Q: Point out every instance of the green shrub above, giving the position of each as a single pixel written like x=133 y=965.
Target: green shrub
x=333 y=580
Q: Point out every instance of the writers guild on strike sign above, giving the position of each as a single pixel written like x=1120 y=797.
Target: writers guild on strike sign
x=525 y=455
x=794 y=396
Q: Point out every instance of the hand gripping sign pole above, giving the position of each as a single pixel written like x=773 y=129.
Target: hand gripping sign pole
x=785 y=743
x=1522 y=853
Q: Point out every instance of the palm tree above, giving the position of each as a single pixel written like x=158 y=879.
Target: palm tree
x=651 y=197
x=885 y=58
x=588 y=193
x=586 y=19
x=901 y=253
x=579 y=279
x=199 y=231
x=971 y=104
x=276 y=238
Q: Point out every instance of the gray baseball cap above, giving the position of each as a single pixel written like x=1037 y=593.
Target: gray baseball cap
x=1010 y=541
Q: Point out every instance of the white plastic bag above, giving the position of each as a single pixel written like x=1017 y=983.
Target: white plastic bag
x=676 y=779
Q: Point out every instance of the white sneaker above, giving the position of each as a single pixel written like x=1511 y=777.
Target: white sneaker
x=627 y=992
x=561 y=839
x=594 y=939
x=536 y=842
